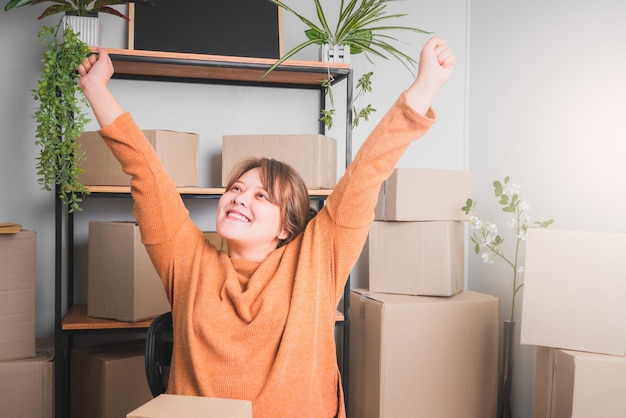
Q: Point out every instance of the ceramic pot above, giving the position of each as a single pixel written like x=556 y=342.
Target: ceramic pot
x=88 y=28
x=335 y=53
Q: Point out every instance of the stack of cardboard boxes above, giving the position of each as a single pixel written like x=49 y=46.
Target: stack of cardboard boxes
x=574 y=312
x=108 y=380
x=26 y=368
x=421 y=346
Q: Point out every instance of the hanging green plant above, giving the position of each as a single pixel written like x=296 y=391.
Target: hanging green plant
x=60 y=117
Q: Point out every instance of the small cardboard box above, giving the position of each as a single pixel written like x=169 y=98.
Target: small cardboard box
x=108 y=380
x=417 y=258
x=578 y=384
x=218 y=242
x=177 y=151
x=27 y=386
x=419 y=194
x=574 y=291
x=419 y=356
x=17 y=295
x=122 y=282
x=314 y=157
x=177 y=406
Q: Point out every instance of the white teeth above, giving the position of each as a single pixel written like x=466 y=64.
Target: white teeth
x=238 y=217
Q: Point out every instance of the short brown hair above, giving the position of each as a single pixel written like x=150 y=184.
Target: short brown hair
x=285 y=188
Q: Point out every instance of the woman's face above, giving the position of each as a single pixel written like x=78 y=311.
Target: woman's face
x=250 y=223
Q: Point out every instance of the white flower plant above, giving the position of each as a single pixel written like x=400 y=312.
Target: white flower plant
x=488 y=243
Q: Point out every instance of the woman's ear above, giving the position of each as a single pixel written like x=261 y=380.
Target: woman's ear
x=283 y=234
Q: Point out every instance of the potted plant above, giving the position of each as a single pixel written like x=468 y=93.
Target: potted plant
x=60 y=114
x=77 y=7
x=489 y=244
x=361 y=28
x=81 y=15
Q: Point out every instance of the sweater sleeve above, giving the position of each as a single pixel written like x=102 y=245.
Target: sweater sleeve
x=352 y=202
x=349 y=210
x=158 y=208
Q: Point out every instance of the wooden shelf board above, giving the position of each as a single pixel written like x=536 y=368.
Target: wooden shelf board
x=188 y=190
x=76 y=319
x=223 y=68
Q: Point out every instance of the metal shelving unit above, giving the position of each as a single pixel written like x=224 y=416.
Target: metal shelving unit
x=72 y=320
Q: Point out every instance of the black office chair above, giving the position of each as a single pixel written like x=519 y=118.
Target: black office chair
x=159 y=344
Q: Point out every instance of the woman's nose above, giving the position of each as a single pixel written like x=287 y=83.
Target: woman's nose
x=241 y=199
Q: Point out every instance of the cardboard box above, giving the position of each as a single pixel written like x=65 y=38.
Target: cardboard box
x=177 y=151
x=574 y=291
x=176 y=406
x=417 y=258
x=214 y=238
x=27 y=386
x=418 y=194
x=17 y=295
x=314 y=157
x=109 y=380
x=419 y=356
x=579 y=385
x=122 y=282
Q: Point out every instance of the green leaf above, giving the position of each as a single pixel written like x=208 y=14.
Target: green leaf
x=497 y=188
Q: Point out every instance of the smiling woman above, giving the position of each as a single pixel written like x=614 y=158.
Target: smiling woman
x=248 y=317
x=257 y=182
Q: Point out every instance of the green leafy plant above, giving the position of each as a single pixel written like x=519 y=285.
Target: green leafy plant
x=79 y=7
x=60 y=118
x=362 y=25
x=488 y=242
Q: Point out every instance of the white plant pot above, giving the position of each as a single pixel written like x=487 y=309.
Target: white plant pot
x=88 y=28
x=335 y=53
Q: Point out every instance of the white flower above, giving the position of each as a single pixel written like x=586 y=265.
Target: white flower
x=523 y=205
x=512 y=190
x=520 y=269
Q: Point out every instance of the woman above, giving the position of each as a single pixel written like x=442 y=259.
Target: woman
x=258 y=323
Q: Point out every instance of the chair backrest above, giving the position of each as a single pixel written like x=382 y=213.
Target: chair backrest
x=159 y=344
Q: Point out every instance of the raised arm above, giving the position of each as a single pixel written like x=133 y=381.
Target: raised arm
x=158 y=207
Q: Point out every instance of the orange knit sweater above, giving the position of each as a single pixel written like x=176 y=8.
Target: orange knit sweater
x=262 y=331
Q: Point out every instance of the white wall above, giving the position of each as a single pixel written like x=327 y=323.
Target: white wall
x=546 y=106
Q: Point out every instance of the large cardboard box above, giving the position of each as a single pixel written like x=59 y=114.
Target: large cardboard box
x=419 y=356
x=177 y=406
x=27 y=386
x=419 y=194
x=177 y=151
x=122 y=282
x=574 y=291
x=574 y=384
x=17 y=295
x=314 y=157
x=417 y=258
x=108 y=380
x=216 y=240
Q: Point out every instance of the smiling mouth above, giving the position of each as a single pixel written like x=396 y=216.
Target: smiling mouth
x=237 y=216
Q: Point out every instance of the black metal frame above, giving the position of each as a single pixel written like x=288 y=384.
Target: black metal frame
x=64 y=221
